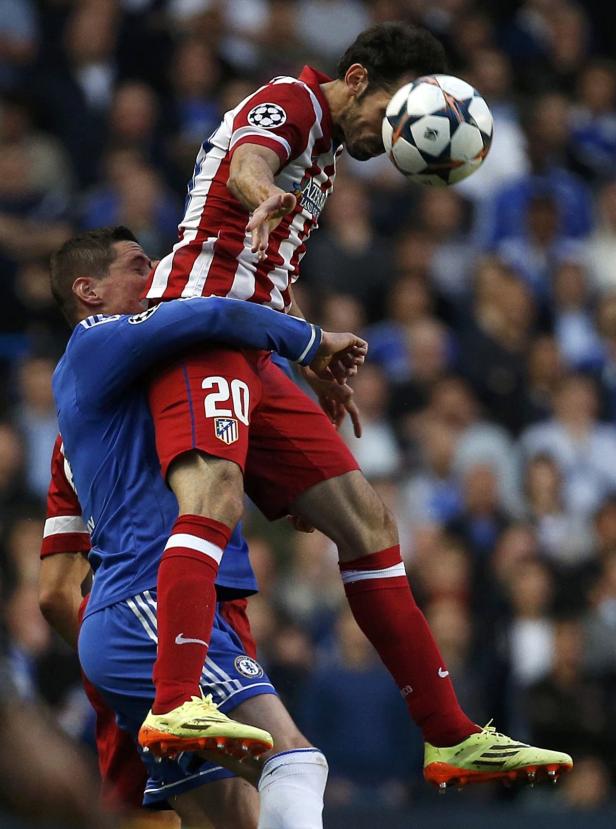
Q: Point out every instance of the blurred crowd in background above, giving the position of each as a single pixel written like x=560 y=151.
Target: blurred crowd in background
x=489 y=397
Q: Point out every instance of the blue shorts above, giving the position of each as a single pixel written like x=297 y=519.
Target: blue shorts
x=117 y=650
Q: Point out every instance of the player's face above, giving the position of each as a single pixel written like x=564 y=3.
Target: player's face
x=124 y=284
x=362 y=124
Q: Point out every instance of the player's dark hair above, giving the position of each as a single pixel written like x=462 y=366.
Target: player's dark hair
x=89 y=254
x=390 y=50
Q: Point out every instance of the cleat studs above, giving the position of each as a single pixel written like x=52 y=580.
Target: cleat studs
x=442 y=788
x=244 y=747
x=145 y=750
x=220 y=745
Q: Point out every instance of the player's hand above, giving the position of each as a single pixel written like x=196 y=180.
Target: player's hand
x=336 y=400
x=339 y=356
x=266 y=218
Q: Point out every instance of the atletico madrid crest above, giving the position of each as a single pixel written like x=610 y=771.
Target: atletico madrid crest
x=226 y=429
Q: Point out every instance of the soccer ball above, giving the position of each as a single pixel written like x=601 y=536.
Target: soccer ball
x=437 y=130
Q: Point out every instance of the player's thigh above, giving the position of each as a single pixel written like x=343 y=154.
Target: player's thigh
x=349 y=511
x=202 y=402
x=293 y=446
x=208 y=486
x=226 y=804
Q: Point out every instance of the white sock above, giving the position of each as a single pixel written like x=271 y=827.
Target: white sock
x=291 y=787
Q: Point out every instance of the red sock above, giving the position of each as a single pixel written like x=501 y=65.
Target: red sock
x=384 y=608
x=186 y=603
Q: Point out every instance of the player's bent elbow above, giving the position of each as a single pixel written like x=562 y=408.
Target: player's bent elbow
x=52 y=600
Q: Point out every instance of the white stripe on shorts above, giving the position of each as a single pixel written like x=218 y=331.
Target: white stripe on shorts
x=193 y=542
x=144 y=622
x=392 y=572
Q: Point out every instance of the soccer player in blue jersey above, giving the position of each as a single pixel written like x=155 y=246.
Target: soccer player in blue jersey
x=108 y=437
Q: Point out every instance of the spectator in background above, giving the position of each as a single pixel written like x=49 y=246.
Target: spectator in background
x=194 y=107
x=574 y=324
x=530 y=631
x=36 y=415
x=12 y=489
x=49 y=169
x=583 y=447
x=490 y=71
x=377 y=452
x=33 y=222
x=443 y=215
x=327 y=26
x=593 y=121
x=535 y=252
x=134 y=194
x=544 y=374
x=408 y=302
x=600 y=644
x=18 y=41
x=493 y=346
x=479 y=441
x=563 y=537
x=77 y=97
x=568 y=706
x=133 y=122
x=345 y=255
x=430 y=357
x=349 y=694
x=483 y=518
x=547 y=132
x=452 y=626
x=432 y=493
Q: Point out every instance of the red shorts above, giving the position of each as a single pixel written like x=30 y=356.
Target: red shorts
x=235 y=613
x=239 y=406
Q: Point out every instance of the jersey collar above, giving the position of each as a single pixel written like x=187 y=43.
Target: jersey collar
x=313 y=78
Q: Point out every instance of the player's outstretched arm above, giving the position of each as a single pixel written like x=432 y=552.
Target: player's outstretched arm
x=124 y=348
x=251 y=181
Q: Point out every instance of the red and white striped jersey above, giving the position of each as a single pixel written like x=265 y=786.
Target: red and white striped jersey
x=213 y=257
x=64 y=530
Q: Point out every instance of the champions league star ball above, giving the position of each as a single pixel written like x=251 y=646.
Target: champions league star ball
x=437 y=130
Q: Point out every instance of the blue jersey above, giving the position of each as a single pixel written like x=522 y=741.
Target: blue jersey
x=108 y=434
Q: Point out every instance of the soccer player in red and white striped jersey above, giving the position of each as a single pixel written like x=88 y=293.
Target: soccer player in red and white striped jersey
x=227 y=419
x=291 y=120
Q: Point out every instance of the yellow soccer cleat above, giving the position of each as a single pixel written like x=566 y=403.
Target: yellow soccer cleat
x=198 y=725
x=489 y=755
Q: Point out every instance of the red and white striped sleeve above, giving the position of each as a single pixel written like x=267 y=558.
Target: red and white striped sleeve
x=65 y=531
x=279 y=116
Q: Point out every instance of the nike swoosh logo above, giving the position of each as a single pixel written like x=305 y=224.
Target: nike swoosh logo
x=442 y=673
x=180 y=639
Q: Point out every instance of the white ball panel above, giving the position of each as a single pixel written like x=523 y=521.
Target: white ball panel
x=398 y=100
x=482 y=115
x=456 y=87
x=407 y=157
x=466 y=143
x=431 y=134
x=387 y=132
x=464 y=171
x=424 y=99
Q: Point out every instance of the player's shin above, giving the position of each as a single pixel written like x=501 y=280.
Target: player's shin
x=186 y=605
x=291 y=790
x=383 y=605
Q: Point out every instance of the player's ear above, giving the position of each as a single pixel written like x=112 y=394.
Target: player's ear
x=86 y=290
x=356 y=79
